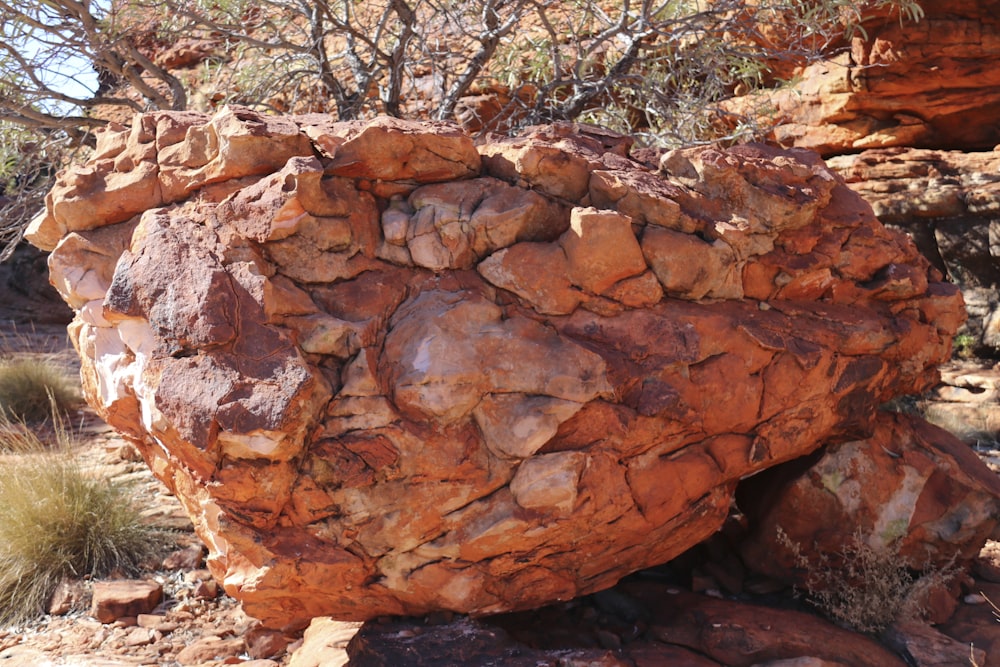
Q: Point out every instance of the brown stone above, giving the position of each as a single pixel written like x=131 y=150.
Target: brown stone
x=910 y=490
x=924 y=646
x=68 y=594
x=232 y=144
x=535 y=272
x=324 y=644
x=121 y=598
x=262 y=643
x=685 y=265
x=741 y=635
x=550 y=160
x=392 y=149
x=155 y=622
x=455 y=225
x=601 y=249
x=385 y=375
x=898 y=83
x=189 y=558
x=987 y=563
x=210 y=649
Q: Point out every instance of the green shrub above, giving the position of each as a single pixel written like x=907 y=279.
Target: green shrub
x=56 y=522
x=30 y=389
x=964 y=346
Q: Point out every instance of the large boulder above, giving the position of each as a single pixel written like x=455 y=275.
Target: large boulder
x=387 y=371
x=911 y=492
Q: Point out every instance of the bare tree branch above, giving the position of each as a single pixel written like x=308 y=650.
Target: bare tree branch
x=661 y=69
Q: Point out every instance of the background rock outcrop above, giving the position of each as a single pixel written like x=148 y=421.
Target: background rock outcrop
x=907 y=117
x=388 y=371
x=931 y=83
x=910 y=490
x=947 y=201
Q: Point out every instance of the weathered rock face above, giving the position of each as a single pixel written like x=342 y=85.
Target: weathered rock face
x=931 y=83
x=388 y=371
x=948 y=201
x=911 y=490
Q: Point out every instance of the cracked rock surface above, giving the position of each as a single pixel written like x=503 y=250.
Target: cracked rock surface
x=388 y=371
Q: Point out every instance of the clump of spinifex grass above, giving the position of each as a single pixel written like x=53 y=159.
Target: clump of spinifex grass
x=31 y=388
x=56 y=522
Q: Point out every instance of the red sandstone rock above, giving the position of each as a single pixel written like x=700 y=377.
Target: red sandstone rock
x=911 y=490
x=210 y=649
x=742 y=635
x=324 y=643
x=931 y=83
x=120 y=598
x=375 y=399
x=948 y=202
x=68 y=594
x=262 y=643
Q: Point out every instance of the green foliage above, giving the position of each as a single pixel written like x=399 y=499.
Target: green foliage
x=30 y=389
x=964 y=346
x=57 y=522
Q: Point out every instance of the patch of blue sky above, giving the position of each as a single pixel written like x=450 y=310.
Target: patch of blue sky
x=48 y=60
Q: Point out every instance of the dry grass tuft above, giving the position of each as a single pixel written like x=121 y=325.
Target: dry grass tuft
x=31 y=388
x=56 y=522
x=868 y=589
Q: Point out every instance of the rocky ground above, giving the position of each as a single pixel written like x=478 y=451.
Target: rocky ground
x=646 y=620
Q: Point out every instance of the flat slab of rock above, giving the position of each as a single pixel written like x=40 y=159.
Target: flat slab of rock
x=642 y=623
x=120 y=598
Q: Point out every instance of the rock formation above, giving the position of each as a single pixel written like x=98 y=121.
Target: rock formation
x=930 y=84
x=948 y=202
x=910 y=491
x=894 y=111
x=388 y=371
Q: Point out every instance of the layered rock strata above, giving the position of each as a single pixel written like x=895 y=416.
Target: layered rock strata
x=949 y=202
x=388 y=371
x=929 y=83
